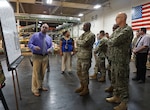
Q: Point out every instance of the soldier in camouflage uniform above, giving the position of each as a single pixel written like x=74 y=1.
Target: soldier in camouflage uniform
x=110 y=56
x=84 y=55
x=120 y=41
x=101 y=50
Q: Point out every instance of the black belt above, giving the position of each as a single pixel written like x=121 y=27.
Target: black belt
x=40 y=54
x=143 y=53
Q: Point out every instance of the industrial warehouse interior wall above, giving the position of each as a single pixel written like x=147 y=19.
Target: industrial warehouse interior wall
x=104 y=18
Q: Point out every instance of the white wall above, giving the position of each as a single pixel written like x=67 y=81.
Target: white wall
x=106 y=16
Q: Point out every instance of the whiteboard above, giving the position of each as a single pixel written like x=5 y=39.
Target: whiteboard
x=9 y=32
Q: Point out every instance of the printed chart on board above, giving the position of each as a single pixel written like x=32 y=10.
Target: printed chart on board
x=10 y=34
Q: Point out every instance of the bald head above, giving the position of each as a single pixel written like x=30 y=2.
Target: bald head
x=121 y=19
x=123 y=15
x=87 y=26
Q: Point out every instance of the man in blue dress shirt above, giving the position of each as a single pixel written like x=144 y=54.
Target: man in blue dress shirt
x=40 y=44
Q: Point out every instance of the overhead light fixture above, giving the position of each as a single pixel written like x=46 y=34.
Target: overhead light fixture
x=78 y=19
x=44 y=11
x=81 y=14
x=97 y=6
x=40 y=21
x=71 y=18
x=49 y=1
x=39 y=25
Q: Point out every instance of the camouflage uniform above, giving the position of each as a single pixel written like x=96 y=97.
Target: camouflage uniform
x=110 y=68
x=120 y=43
x=84 y=55
x=101 y=50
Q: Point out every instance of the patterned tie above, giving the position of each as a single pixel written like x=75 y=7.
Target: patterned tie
x=44 y=46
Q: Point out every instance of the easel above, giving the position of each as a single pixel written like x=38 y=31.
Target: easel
x=2 y=98
x=13 y=77
x=11 y=43
x=13 y=68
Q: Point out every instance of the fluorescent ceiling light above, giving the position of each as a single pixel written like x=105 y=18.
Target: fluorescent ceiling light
x=78 y=19
x=71 y=18
x=40 y=21
x=81 y=14
x=44 y=11
x=97 y=6
x=49 y=1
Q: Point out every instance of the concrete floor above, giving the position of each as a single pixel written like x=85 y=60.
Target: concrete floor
x=61 y=94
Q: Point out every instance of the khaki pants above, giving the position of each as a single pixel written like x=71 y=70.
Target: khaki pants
x=66 y=61
x=39 y=69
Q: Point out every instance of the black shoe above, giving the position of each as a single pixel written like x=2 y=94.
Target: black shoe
x=141 y=81
x=62 y=72
x=134 y=79
x=148 y=76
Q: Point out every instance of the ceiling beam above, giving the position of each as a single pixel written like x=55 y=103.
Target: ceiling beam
x=59 y=3
x=77 y=5
x=24 y=1
x=22 y=7
x=56 y=8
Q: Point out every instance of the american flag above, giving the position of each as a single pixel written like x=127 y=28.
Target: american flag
x=141 y=16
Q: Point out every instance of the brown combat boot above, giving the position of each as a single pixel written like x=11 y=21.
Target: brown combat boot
x=109 y=89
x=78 y=90
x=94 y=76
x=114 y=99
x=85 y=91
x=121 y=106
x=102 y=79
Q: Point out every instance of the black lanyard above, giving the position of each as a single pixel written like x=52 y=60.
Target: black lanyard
x=138 y=42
